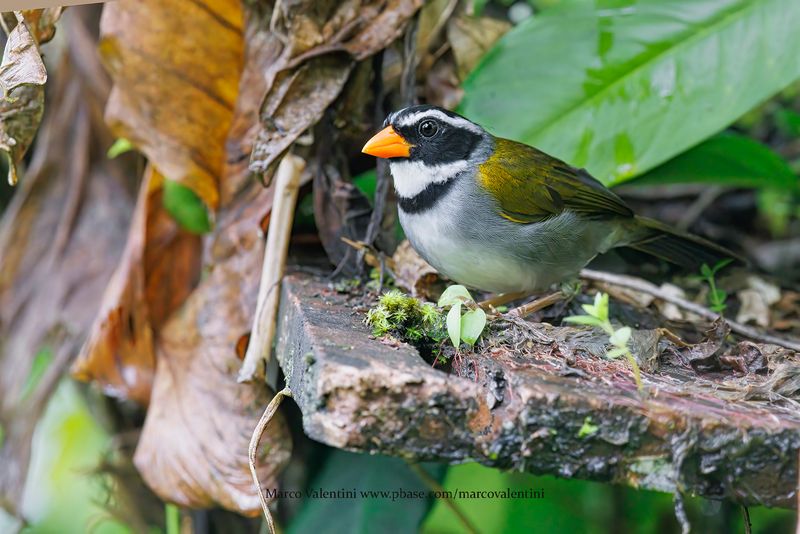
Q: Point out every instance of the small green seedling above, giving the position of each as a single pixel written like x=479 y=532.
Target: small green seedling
x=466 y=327
x=716 y=296
x=587 y=429
x=597 y=315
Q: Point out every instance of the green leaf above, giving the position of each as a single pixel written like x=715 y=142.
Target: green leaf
x=776 y=207
x=120 y=146
x=721 y=264
x=621 y=87
x=186 y=208
x=620 y=337
x=705 y=270
x=583 y=319
x=726 y=159
x=477 y=6
x=454 y=294
x=366 y=183
x=454 y=324
x=472 y=323
x=601 y=306
x=381 y=508
x=172 y=518
x=788 y=120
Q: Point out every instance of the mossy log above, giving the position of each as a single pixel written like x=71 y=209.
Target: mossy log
x=550 y=405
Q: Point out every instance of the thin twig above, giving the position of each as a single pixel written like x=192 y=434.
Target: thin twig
x=538 y=304
x=261 y=427
x=444 y=496
x=381 y=167
x=287 y=186
x=643 y=286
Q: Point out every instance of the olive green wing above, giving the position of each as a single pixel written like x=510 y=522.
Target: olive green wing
x=531 y=186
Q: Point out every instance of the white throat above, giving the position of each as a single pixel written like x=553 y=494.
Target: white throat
x=412 y=177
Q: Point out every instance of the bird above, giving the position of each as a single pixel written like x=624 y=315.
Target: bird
x=501 y=216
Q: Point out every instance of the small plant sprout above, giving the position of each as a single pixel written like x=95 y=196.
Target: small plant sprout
x=597 y=315
x=716 y=296
x=587 y=428
x=466 y=327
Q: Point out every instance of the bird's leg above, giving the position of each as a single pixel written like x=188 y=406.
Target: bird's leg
x=568 y=291
x=501 y=299
x=538 y=304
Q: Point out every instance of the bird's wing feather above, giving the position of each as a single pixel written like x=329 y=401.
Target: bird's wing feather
x=531 y=186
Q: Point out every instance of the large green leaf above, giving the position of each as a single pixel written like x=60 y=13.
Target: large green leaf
x=621 y=86
x=726 y=159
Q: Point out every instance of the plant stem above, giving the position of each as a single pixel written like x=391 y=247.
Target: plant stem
x=172 y=519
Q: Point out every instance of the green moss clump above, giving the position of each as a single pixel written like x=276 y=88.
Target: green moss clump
x=408 y=319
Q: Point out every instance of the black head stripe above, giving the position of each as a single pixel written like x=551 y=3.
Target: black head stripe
x=455 y=140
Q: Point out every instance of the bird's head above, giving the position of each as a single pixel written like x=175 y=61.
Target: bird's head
x=427 y=145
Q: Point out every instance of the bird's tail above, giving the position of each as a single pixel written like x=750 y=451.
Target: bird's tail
x=681 y=248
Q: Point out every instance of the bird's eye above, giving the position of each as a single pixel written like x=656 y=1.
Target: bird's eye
x=428 y=128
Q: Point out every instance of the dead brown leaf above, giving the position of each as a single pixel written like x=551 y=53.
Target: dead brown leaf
x=471 y=37
x=176 y=67
x=41 y=22
x=705 y=355
x=60 y=240
x=193 y=447
x=22 y=78
x=158 y=270
x=340 y=210
x=321 y=41
x=262 y=48
x=415 y=274
x=756 y=299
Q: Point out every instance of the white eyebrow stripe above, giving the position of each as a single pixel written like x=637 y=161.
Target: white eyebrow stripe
x=457 y=122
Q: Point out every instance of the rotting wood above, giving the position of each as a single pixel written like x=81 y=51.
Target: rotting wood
x=524 y=409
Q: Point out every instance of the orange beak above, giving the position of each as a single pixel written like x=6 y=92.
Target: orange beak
x=387 y=144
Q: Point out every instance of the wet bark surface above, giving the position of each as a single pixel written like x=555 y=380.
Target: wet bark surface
x=549 y=404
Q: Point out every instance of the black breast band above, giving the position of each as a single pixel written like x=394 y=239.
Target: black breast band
x=427 y=198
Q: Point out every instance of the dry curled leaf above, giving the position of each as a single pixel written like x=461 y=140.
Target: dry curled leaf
x=471 y=37
x=415 y=274
x=22 y=78
x=321 y=44
x=176 y=68
x=156 y=273
x=193 y=447
x=41 y=22
x=756 y=300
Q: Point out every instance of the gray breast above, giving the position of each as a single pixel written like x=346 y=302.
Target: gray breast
x=465 y=238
